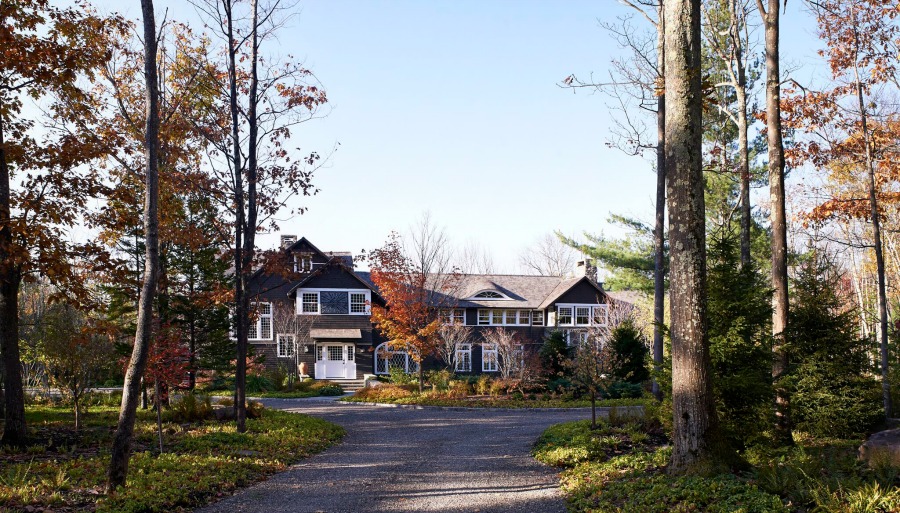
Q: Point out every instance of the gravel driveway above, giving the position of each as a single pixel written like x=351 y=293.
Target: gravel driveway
x=397 y=459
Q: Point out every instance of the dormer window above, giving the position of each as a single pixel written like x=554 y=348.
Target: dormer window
x=489 y=295
x=303 y=263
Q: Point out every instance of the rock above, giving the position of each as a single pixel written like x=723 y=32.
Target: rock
x=881 y=448
x=223 y=413
x=372 y=383
x=249 y=453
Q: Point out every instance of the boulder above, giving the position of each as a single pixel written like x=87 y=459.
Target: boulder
x=223 y=413
x=882 y=448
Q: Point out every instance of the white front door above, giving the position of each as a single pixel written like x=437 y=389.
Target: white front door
x=336 y=361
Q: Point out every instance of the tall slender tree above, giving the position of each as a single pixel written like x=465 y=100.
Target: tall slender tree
x=771 y=17
x=698 y=445
x=121 y=448
x=248 y=148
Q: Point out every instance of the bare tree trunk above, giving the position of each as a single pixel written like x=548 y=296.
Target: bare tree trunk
x=771 y=19
x=156 y=399
x=879 y=249
x=737 y=22
x=242 y=302
x=121 y=448
x=695 y=434
x=14 y=431
x=659 y=229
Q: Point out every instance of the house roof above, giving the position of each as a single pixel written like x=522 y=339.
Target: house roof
x=564 y=286
x=338 y=261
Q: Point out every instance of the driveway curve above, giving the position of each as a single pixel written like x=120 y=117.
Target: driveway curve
x=398 y=459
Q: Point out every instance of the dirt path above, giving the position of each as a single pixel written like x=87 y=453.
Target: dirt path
x=396 y=459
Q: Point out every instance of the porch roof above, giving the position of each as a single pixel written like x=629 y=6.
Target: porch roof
x=342 y=333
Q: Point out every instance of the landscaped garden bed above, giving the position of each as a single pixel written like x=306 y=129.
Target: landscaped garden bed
x=481 y=392
x=64 y=470
x=621 y=467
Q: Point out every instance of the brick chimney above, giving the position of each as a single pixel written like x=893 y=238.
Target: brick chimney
x=288 y=240
x=586 y=268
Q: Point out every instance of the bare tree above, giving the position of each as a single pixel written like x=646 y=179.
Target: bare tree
x=265 y=101
x=548 y=256
x=638 y=81
x=121 y=447
x=285 y=321
x=452 y=334
x=475 y=259
x=696 y=438
x=510 y=351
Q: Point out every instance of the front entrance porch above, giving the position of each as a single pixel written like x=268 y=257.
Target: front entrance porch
x=335 y=360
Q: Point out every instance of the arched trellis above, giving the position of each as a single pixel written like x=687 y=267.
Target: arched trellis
x=387 y=358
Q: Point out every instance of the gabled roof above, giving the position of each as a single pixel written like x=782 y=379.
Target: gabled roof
x=523 y=291
x=301 y=241
x=336 y=261
x=566 y=285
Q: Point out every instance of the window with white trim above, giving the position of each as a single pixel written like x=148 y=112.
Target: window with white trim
x=463 y=358
x=261 y=329
x=564 y=315
x=357 y=302
x=453 y=316
x=286 y=345
x=303 y=263
x=537 y=318
x=576 y=337
x=333 y=301
x=489 y=357
x=497 y=317
x=582 y=315
x=489 y=294
x=309 y=302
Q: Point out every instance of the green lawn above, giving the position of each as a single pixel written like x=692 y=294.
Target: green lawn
x=623 y=469
x=65 y=470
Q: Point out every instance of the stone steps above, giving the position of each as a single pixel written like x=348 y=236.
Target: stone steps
x=349 y=385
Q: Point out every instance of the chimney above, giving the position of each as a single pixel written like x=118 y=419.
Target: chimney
x=586 y=268
x=288 y=240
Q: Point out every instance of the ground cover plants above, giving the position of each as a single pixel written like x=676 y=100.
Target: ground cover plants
x=622 y=467
x=478 y=392
x=64 y=470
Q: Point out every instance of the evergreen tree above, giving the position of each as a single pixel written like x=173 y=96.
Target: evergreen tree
x=630 y=348
x=740 y=345
x=834 y=391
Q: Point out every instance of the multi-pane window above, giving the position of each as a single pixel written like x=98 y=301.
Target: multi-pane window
x=495 y=317
x=333 y=302
x=453 y=316
x=357 y=302
x=262 y=328
x=285 y=346
x=574 y=337
x=310 y=302
x=537 y=318
x=464 y=358
x=582 y=315
x=564 y=315
x=489 y=358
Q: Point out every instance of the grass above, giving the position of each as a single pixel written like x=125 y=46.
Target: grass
x=623 y=469
x=297 y=394
x=65 y=470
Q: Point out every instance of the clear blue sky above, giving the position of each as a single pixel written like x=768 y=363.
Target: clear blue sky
x=452 y=106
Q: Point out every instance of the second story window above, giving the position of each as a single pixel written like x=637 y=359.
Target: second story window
x=309 y=302
x=453 y=316
x=303 y=263
x=564 y=315
x=357 y=302
x=333 y=301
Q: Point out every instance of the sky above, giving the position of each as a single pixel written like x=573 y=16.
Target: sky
x=453 y=107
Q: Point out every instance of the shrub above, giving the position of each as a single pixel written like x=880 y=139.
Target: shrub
x=383 y=393
x=624 y=390
x=327 y=388
x=554 y=353
x=191 y=408
x=483 y=385
x=257 y=383
x=460 y=388
x=399 y=377
x=630 y=348
x=439 y=379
